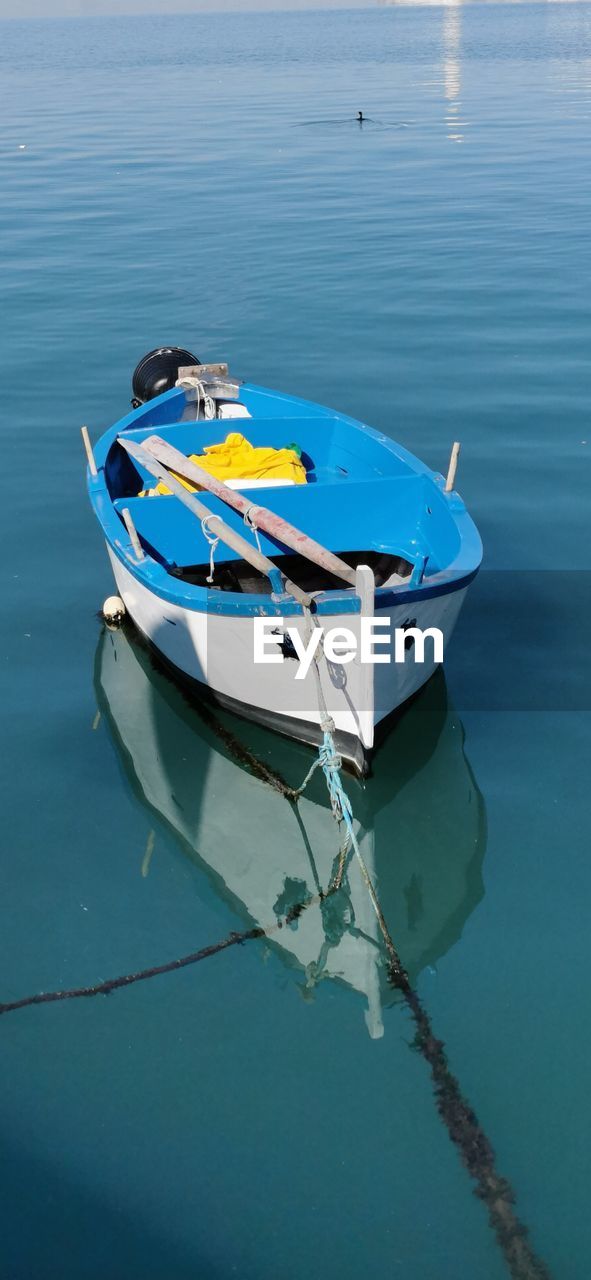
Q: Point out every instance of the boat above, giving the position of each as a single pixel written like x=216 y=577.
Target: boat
x=420 y=821
x=372 y=550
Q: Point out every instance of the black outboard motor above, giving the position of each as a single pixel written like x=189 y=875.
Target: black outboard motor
x=158 y=372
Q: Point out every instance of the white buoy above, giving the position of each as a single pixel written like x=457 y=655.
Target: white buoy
x=113 y=610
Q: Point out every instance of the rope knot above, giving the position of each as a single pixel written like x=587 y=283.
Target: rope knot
x=331 y=764
x=329 y=756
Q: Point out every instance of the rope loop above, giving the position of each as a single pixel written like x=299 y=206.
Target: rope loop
x=213 y=541
x=209 y=407
x=250 y=522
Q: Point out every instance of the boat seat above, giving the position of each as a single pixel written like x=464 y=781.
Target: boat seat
x=364 y=518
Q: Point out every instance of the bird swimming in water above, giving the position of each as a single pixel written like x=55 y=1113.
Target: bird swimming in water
x=360 y=117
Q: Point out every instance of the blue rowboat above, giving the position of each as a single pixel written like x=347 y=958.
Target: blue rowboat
x=372 y=552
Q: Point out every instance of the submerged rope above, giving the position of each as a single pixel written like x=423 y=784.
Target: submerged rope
x=127 y=980
x=170 y=966
x=475 y=1150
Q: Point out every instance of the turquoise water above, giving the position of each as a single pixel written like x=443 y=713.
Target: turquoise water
x=201 y=181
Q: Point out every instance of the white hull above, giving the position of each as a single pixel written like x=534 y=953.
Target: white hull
x=216 y=650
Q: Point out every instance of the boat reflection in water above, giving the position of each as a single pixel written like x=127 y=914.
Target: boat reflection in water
x=420 y=821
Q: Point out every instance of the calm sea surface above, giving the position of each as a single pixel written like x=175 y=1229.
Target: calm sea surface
x=202 y=181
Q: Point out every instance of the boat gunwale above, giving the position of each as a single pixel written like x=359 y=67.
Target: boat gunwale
x=155 y=577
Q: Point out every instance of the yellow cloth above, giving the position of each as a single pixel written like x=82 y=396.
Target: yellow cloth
x=237 y=459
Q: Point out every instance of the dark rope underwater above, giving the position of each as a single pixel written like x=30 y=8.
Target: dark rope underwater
x=171 y=966
x=464 y=1129
x=127 y=980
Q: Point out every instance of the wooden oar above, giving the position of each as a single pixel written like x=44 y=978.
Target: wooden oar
x=215 y=523
x=262 y=517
